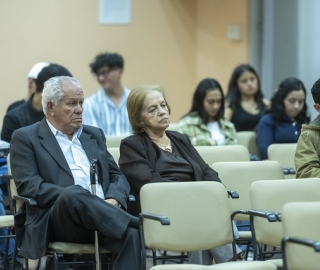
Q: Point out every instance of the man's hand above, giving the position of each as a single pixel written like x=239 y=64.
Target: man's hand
x=113 y=202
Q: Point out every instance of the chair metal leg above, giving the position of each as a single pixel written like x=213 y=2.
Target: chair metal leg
x=6 y=253
x=55 y=260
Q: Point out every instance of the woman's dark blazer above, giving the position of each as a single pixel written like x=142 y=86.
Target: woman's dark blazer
x=138 y=156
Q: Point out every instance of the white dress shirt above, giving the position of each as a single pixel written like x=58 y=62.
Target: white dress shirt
x=76 y=158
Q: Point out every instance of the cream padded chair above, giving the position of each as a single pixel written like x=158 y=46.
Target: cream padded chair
x=249 y=140
x=115 y=152
x=300 y=221
x=284 y=153
x=212 y=154
x=239 y=176
x=273 y=195
x=173 y=126
x=199 y=218
x=54 y=248
x=114 y=141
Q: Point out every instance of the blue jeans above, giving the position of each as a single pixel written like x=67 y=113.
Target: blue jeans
x=4 y=231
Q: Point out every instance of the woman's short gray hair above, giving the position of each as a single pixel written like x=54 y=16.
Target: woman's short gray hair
x=52 y=91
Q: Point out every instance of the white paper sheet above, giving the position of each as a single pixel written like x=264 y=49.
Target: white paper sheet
x=114 y=11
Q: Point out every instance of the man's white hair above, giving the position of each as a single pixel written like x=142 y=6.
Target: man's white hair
x=52 y=91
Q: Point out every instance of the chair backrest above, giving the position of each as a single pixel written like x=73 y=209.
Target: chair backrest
x=301 y=219
x=239 y=176
x=212 y=154
x=115 y=152
x=114 y=141
x=273 y=195
x=13 y=188
x=198 y=212
x=249 y=140
x=283 y=153
x=173 y=126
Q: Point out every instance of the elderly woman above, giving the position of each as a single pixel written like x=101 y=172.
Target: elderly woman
x=153 y=154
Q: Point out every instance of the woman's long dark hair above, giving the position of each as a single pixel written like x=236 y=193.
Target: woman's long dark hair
x=234 y=97
x=277 y=109
x=199 y=95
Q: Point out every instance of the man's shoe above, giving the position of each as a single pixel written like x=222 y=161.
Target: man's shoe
x=18 y=265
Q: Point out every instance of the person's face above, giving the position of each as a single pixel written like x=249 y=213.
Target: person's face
x=212 y=103
x=155 y=113
x=293 y=103
x=67 y=115
x=31 y=86
x=248 y=83
x=109 y=78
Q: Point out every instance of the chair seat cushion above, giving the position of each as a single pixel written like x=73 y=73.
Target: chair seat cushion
x=254 y=265
x=277 y=262
x=245 y=235
x=72 y=248
x=6 y=221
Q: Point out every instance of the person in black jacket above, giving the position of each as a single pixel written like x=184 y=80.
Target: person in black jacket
x=30 y=112
x=153 y=154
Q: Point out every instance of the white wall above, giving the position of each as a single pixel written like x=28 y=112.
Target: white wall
x=308 y=46
x=290 y=38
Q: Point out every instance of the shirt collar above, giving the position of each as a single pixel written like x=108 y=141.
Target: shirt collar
x=56 y=132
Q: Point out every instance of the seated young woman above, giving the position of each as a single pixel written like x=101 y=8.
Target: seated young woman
x=153 y=154
x=282 y=123
x=245 y=103
x=205 y=123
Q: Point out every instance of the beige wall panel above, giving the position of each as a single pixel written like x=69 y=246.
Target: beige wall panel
x=216 y=54
x=174 y=43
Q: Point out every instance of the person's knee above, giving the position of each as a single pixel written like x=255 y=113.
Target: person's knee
x=71 y=195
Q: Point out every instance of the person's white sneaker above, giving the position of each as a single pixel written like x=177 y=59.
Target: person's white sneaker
x=250 y=256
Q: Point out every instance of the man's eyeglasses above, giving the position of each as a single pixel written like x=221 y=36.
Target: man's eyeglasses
x=105 y=72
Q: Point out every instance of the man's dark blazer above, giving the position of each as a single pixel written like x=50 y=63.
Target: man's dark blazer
x=41 y=171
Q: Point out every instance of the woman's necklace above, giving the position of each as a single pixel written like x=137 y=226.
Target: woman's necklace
x=165 y=146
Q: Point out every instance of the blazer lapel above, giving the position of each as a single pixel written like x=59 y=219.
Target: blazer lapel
x=50 y=143
x=89 y=145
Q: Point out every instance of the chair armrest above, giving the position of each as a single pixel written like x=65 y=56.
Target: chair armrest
x=242 y=212
x=292 y=171
x=29 y=201
x=131 y=198
x=269 y=215
x=287 y=171
x=233 y=194
x=302 y=241
x=7 y=177
x=297 y=240
x=163 y=219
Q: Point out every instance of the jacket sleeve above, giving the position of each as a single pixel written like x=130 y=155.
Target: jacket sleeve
x=306 y=157
x=10 y=124
x=265 y=136
x=26 y=174
x=135 y=165
x=231 y=133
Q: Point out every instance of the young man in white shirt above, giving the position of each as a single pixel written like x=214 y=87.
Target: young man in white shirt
x=106 y=108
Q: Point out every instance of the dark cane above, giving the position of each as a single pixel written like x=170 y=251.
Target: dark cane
x=95 y=166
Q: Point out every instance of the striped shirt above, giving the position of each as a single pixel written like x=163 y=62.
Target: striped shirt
x=100 y=111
